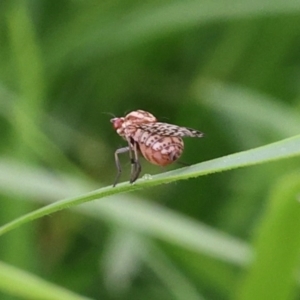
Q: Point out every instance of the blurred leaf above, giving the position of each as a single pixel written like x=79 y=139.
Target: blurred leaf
x=272 y=275
x=132 y=212
x=180 y=287
x=25 y=285
x=256 y=110
x=146 y=23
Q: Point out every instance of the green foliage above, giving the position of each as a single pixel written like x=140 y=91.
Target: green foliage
x=278 y=245
x=228 y=68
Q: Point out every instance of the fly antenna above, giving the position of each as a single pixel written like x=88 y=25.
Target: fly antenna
x=108 y=113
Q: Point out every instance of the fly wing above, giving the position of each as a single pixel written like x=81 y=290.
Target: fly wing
x=165 y=129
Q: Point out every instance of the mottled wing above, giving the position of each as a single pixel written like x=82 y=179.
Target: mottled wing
x=165 y=129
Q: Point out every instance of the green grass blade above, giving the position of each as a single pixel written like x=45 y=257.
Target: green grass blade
x=272 y=275
x=128 y=211
x=19 y=283
x=275 y=151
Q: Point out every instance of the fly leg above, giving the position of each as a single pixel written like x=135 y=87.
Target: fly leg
x=118 y=165
x=135 y=164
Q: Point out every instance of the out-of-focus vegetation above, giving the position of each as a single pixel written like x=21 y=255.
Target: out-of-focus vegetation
x=228 y=68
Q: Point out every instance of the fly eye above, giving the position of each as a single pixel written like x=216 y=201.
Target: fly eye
x=117 y=122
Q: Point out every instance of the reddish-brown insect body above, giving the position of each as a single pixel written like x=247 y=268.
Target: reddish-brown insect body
x=160 y=143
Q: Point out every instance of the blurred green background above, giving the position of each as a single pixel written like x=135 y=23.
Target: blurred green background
x=228 y=68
